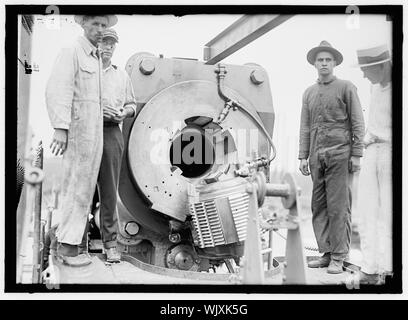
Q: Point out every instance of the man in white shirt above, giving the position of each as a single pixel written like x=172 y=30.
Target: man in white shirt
x=118 y=103
x=375 y=184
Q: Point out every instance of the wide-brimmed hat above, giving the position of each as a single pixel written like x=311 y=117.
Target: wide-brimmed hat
x=324 y=46
x=372 y=56
x=110 y=33
x=112 y=19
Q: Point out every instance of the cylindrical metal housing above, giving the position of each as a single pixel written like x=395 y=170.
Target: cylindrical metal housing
x=178 y=97
x=277 y=190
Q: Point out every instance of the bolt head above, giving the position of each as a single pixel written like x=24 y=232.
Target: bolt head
x=132 y=228
x=147 y=66
x=257 y=77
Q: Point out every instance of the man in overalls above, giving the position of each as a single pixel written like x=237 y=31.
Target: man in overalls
x=330 y=144
x=73 y=101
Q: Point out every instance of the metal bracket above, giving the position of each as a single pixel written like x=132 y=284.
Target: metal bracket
x=252 y=262
x=295 y=264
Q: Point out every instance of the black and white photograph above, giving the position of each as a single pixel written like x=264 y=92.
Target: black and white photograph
x=205 y=149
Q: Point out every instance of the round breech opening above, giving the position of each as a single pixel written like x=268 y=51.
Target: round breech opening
x=192 y=151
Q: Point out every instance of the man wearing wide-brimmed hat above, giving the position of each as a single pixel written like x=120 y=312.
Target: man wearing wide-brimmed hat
x=330 y=144
x=118 y=102
x=73 y=98
x=375 y=183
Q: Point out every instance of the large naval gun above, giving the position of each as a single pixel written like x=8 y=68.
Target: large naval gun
x=200 y=134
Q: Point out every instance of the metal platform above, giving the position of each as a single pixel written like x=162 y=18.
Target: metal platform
x=100 y=272
x=132 y=271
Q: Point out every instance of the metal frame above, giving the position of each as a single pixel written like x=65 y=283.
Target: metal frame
x=242 y=32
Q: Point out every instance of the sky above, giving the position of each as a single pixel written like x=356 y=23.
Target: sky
x=282 y=52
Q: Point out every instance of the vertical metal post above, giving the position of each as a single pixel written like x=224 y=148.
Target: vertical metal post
x=295 y=268
x=52 y=207
x=42 y=248
x=25 y=28
x=49 y=217
x=270 y=254
x=253 y=272
x=24 y=226
x=37 y=250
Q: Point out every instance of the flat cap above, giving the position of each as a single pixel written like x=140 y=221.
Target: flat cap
x=110 y=33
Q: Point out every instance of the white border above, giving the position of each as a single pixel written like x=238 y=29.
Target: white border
x=200 y=296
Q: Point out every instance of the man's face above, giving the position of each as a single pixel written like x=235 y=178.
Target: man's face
x=325 y=63
x=372 y=73
x=94 y=27
x=108 y=46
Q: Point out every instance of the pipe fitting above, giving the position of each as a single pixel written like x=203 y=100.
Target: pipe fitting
x=221 y=72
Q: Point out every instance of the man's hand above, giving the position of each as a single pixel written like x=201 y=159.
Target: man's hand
x=59 y=142
x=109 y=112
x=124 y=113
x=354 y=164
x=304 y=167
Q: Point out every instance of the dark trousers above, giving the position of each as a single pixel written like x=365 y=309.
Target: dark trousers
x=108 y=180
x=331 y=203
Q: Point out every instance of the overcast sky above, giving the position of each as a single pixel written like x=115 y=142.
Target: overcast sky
x=282 y=52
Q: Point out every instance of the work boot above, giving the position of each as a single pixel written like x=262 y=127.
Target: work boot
x=80 y=260
x=112 y=255
x=84 y=251
x=322 y=262
x=335 y=266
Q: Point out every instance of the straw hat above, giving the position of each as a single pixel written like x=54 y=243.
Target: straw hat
x=373 y=56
